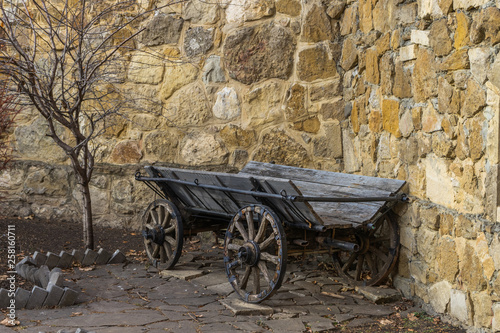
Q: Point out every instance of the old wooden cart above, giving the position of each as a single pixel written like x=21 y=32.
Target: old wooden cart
x=268 y=211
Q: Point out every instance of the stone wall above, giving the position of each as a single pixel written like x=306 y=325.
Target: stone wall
x=390 y=88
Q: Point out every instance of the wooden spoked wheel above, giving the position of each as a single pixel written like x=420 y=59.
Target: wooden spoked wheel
x=163 y=233
x=377 y=255
x=255 y=253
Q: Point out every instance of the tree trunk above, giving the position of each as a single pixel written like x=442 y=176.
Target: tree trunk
x=88 y=230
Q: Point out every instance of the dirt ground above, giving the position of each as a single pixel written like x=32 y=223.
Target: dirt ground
x=33 y=234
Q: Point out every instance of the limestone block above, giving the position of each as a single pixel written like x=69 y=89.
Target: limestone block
x=335 y=9
x=419 y=271
x=459 y=305
x=494 y=250
x=325 y=90
x=33 y=142
x=177 y=75
x=420 y=37
x=351 y=160
x=249 y=59
x=429 y=8
x=262 y=105
x=468 y=4
x=424 y=83
x=482 y=250
x=349 y=21
x=126 y=152
x=403 y=285
x=390 y=116
x=227 y=105
x=239 y=11
x=316 y=63
x=447 y=259
x=406 y=124
x=494 y=73
x=482 y=305
x=349 y=55
x=203 y=148
x=462 y=31
x=439 y=296
x=162 y=29
x=438 y=181
x=295 y=107
x=439 y=38
x=455 y=61
x=372 y=68
x=198 y=41
x=212 y=71
x=496 y=317
x=237 y=137
x=188 y=106
x=316 y=26
x=407 y=53
x=201 y=12
x=145 y=68
x=295 y=154
x=406 y=13
x=475 y=98
x=330 y=145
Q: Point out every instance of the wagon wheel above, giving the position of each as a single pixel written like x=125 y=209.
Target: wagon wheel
x=377 y=255
x=255 y=253
x=163 y=233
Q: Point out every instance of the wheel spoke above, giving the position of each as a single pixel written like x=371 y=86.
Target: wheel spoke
x=267 y=242
x=256 y=279
x=379 y=254
x=168 y=250
x=349 y=262
x=265 y=271
x=262 y=229
x=166 y=219
x=371 y=265
x=161 y=214
x=269 y=257
x=156 y=249
x=170 y=240
x=246 y=275
x=242 y=230
x=170 y=229
x=163 y=255
x=154 y=216
x=251 y=227
x=359 y=266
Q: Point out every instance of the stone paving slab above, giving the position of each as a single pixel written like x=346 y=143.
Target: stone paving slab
x=181 y=274
x=132 y=298
x=379 y=295
x=238 y=307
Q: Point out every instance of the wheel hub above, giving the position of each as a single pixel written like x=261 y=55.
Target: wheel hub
x=156 y=234
x=249 y=253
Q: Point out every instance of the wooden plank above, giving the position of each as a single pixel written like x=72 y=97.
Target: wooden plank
x=293 y=211
x=342 y=181
x=214 y=200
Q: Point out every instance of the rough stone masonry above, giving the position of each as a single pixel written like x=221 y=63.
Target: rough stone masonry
x=391 y=88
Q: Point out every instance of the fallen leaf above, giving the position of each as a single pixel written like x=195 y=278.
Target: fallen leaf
x=87 y=269
x=9 y=322
x=412 y=317
x=133 y=233
x=385 y=322
x=75 y=314
x=3 y=277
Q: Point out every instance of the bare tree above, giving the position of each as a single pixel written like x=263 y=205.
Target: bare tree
x=8 y=111
x=63 y=57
